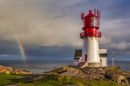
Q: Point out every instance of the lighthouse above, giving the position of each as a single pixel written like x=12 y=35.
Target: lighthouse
x=91 y=55
x=91 y=36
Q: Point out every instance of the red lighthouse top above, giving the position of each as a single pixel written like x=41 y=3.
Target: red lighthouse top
x=91 y=24
x=91 y=19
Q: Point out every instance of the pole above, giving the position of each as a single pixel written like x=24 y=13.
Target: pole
x=113 y=62
x=113 y=59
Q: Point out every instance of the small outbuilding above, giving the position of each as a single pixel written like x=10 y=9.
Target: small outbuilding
x=102 y=53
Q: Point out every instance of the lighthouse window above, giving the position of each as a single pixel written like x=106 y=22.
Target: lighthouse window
x=103 y=55
x=94 y=21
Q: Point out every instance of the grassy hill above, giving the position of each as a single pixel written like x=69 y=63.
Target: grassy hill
x=6 y=79
x=70 y=76
x=53 y=80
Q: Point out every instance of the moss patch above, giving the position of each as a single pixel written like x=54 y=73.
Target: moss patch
x=54 y=80
x=7 y=79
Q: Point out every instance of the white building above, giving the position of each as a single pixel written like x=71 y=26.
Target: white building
x=78 y=58
x=103 y=57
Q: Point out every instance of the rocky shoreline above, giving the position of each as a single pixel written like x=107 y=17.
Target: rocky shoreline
x=11 y=70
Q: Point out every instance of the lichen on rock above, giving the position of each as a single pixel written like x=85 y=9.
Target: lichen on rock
x=91 y=73
x=11 y=70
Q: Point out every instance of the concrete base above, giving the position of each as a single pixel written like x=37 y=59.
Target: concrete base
x=94 y=65
x=84 y=65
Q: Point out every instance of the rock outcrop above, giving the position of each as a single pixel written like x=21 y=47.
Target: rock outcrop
x=11 y=70
x=99 y=73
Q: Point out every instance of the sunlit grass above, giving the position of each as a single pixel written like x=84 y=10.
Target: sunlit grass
x=7 y=79
x=54 y=80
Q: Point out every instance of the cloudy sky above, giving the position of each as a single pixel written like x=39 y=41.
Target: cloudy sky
x=52 y=27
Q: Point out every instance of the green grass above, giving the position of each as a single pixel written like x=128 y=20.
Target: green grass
x=7 y=79
x=54 y=80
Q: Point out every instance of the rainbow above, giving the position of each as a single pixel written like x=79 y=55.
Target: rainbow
x=20 y=44
x=21 y=48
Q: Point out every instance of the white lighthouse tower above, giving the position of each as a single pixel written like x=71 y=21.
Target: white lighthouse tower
x=90 y=38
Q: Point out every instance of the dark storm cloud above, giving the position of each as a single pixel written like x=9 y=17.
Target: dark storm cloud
x=50 y=51
x=9 y=48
